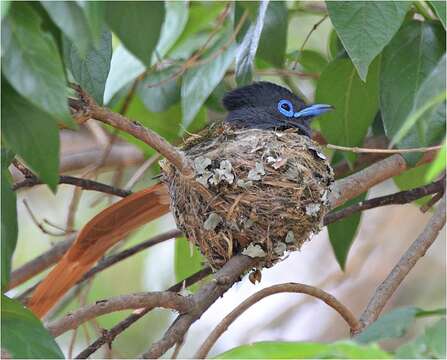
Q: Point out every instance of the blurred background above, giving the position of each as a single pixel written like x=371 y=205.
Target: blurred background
x=382 y=237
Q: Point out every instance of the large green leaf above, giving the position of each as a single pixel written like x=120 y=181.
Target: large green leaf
x=355 y=102
x=92 y=69
x=412 y=178
x=438 y=165
x=31 y=62
x=138 y=25
x=94 y=14
x=273 y=42
x=70 y=18
x=304 y=350
x=429 y=103
x=199 y=82
x=343 y=232
x=175 y=21
x=158 y=91
x=8 y=217
x=311 y=61
x=406 y=62
x=440 y=9
x=23 y=335
x=187 y=260
x=247 y=49
x=366 y=27
x=31 y=134
x=429 y=345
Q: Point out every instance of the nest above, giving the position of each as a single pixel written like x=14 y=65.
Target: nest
x=259 y=193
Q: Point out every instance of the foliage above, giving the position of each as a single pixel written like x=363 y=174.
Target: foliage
x=174 y=60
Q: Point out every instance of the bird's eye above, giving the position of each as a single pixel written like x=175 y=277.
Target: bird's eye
x=285 y=107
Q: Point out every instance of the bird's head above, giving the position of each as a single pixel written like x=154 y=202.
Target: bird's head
x=264 y=105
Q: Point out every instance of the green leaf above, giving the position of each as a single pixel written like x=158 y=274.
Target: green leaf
x=199 y=82
x=440 y=9
x=394 y=324
x=247 y=49
x=124 y=68
x=71 y=20
x=32 y=64
x=407 y=61
x=5 y=4
x=430 y=96
x=273 y=42
x=158 y=91
x=355 y=102
x=137 y=24
x=94 y=14
x=431 y=344
x=31 y=134
x=335 y=47
x=311 y=61
x=343 y=232
x=438 y=165
x=201 y=17
x=9 y=229
x=366 y=27
x=175 y=21
x=91 y=70
x=187 y=260
x=304 y=350
x=23 y=335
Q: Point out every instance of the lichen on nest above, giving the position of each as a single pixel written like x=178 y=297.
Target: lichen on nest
x=259 y=193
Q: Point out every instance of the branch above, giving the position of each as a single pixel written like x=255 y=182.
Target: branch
x=118 y=121
x=408 y=260
x=330 y=300
x=109 y=335
x=203 y=299
x=164 y=299
x=359 y=150
x=402 y=197
x=85 y=184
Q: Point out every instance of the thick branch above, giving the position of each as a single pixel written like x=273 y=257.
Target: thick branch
x=409 y=259
x=402 y=197
x=108 y=336
x=165 y=299
x=356 y=184
x=330 y=300
x=85 y=184
x=203 y=299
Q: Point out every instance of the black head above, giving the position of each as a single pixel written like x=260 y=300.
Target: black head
x=264 y=105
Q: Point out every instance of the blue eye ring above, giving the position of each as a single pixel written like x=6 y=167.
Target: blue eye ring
x=282 y=107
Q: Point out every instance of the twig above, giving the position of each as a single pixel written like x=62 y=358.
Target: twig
x=85 y=184
x=203 y=299
x=165 y=299
x=110 y=335
x=383 y=151
x=141 y=170
x=151 y=138
x=402 y=197
x=38 y=223
x=330 y=300
x=22 y=168
x=408 y=260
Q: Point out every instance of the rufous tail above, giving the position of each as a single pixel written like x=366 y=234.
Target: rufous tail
x=102 y=232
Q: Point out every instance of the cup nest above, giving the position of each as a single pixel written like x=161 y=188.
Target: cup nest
x=259 y=193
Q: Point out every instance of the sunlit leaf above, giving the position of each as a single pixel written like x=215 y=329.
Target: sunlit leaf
x=366 y=27
x=440 y=9
x=187 y=260
x=438 y=165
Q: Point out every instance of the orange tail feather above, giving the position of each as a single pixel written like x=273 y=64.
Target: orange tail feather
x=102 y=232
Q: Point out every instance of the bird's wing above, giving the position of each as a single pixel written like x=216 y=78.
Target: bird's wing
x=102 y=232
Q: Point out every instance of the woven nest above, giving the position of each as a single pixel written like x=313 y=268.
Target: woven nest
x=259 y=193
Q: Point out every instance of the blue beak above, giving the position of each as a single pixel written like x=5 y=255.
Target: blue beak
x=313 y=110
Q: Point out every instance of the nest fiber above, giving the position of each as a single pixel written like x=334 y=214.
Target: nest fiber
x=259 y=193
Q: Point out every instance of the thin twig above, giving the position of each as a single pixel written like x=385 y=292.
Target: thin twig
x=330 y=300
x=408 y=260
x=383 y=151
x=38 y=223
x=109 y=335
x=402 y=197
x=141 y=170
x=85 y=184
x=165 y=299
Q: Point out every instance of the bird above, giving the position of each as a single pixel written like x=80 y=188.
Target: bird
x=260 y=105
